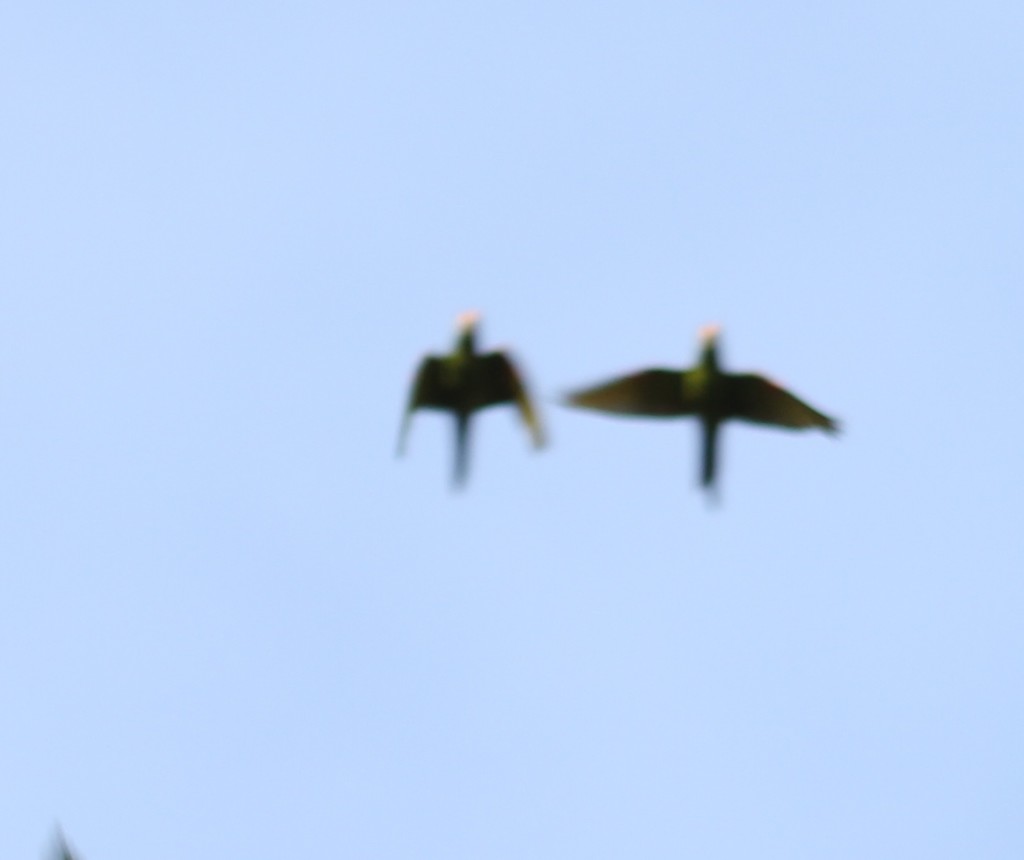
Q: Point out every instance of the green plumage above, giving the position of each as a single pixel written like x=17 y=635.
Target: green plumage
x=464 y=382
x=707 y=393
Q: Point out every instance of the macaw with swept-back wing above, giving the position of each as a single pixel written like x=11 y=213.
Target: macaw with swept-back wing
x=464 y=382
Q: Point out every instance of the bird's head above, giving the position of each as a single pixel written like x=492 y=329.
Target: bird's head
x=466 y=324
x=709 y=333
x=467 y=319
x=709 y=344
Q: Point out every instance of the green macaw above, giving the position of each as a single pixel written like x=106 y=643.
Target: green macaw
x=464 y=382
x=708 y=393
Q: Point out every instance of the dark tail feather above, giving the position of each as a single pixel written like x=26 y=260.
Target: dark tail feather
x=461 y=450
x=710 y=431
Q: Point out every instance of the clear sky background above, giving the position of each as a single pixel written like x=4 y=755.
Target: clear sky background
x=232 y=624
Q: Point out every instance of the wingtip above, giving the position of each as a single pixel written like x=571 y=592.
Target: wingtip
x=573 y=400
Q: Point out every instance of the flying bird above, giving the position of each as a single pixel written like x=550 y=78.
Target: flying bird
x=466 y=381
x=706 y=392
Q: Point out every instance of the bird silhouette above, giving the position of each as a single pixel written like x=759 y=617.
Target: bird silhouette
x=706 y=392
x=464 y=382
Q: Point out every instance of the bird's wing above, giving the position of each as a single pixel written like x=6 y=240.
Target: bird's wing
x=656 y=393
x=428 y=390
x=500 y=382
x=754 y=398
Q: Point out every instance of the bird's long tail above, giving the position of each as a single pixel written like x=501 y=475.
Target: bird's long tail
x=710 y=453
x=461 y=450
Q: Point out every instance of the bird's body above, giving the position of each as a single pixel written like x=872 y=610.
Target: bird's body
x=464 y=382
x=706 y=392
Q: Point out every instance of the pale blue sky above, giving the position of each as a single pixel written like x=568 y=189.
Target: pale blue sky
x=233 y=625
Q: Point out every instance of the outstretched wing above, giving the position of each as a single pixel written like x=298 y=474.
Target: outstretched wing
x=428 y=391
x=498 y=381
x=753 y=398
x=655 y=393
